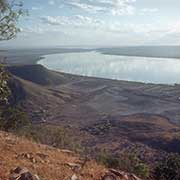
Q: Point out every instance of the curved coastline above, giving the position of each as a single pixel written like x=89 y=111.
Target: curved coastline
x=33 y=56
x=123 y=68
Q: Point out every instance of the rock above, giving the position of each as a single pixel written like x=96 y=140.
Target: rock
x=74 y=166
x=28 y=156
x=19 y=170
x=22 y=174
x=74 y=177
x=66 y=151
x=117 y=173
x=36 y=177
x=109 y=177
x=123 y=175
x=134 y=177
x=33 y=160
x=26 y=176
x=42 y=156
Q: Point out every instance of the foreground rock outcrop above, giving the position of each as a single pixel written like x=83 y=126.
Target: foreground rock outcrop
x=20 y=159
x=22 y=174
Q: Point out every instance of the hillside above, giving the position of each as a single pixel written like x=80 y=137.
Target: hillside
x=119 y=116
x=36 y=74
x=49 y=163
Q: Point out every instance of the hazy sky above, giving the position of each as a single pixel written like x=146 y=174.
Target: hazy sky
x=99 y=22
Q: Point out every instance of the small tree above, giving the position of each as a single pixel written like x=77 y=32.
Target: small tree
x=12 y=119
x=10 y=11
x=107 y=159
x=142 y=170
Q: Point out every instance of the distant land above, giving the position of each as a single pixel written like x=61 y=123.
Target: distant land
x=144 y=51
x=31 y=56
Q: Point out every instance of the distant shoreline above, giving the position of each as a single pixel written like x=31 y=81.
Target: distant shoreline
x=33 y=56
x=96 y=64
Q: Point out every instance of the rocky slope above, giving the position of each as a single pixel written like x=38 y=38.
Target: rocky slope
x=25 y=160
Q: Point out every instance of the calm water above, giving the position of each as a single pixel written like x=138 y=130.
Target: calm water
x=142 y=69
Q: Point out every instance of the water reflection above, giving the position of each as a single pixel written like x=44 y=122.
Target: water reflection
x=142 y=69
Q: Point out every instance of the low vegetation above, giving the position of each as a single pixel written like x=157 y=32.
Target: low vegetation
x=169 y=168
x=13 y=119
x=127 y=162
x=58 y=137
x=4 y=90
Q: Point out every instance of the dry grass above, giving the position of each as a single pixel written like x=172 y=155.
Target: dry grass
x=47 y=162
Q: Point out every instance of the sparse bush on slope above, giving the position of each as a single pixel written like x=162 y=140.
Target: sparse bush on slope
x=127 y=162
x=13 y=119
x=58 y=137
x=169 y=168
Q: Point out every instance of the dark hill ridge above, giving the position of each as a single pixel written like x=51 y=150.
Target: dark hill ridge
x=116 y=115
x=36 y=74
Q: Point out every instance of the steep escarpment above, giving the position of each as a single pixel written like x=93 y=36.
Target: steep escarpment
x=36 y=74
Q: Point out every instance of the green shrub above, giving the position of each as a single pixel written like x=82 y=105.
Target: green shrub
x=141 y=170
x=13 y=119
x=107 y=160
x=58 y=137
x=169 y=168
x=78 y=148
x=128 y=162
x=54 y=136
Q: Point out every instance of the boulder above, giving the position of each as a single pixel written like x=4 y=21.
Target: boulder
x=74 y=177
x=113 y=174
x=22 y=174
x=74 y=166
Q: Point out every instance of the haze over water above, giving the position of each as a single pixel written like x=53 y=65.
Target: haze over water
x=130 y=68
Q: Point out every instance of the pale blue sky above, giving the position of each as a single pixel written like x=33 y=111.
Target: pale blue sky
x=99 y=23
